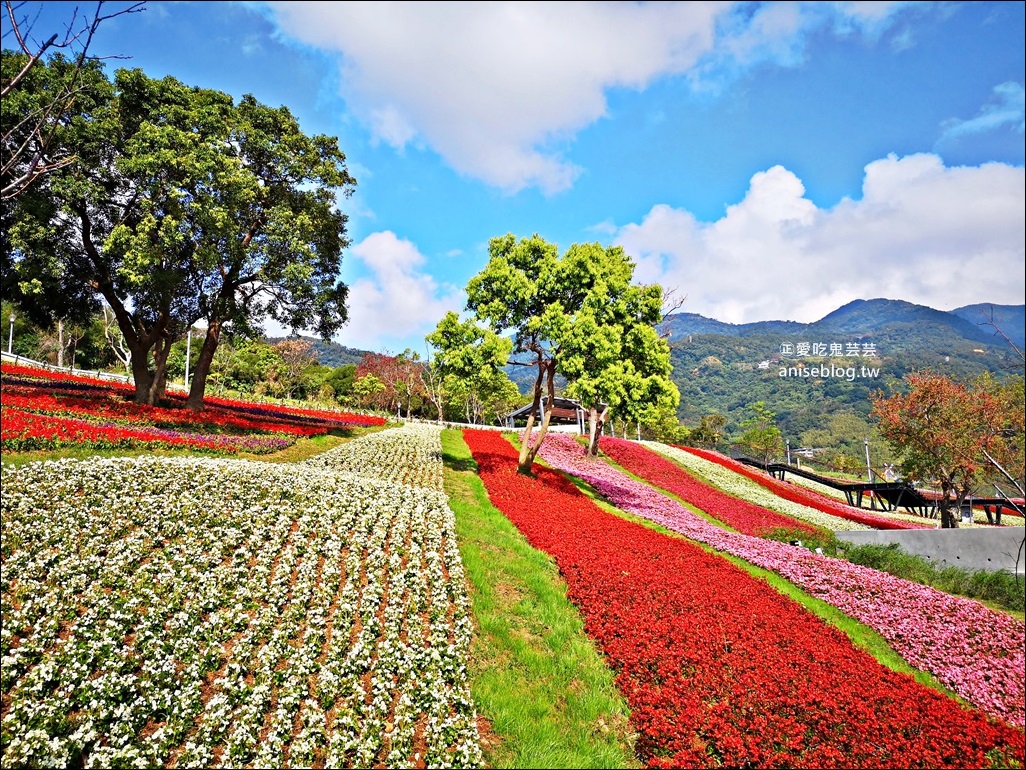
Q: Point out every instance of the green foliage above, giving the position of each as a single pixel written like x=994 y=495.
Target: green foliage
x=760 y=435
x=663 y=425
x=709 y=431
x=468 y=361
x=365 y=388
x=181 y=205
x=578 y=316
x=341 y=380
x=842 y=438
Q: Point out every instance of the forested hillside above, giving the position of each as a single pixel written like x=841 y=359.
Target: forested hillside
x=329 y=354
x=725 y=372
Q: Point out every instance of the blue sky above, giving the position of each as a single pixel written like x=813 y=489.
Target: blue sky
x=764 y=160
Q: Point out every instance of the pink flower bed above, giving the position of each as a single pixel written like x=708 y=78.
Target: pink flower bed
x=975 y=651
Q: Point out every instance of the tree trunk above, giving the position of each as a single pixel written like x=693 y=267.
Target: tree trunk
x=949 y=520
x=528 y=447
x=139 y=342
x=150 y=385
x=596 y=422
x=198 y=387
x=158 y=388
x=141 y=373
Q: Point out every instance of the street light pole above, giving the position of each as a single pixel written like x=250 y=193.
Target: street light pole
x=868 y=466
x=789 y=451
x=10 y=337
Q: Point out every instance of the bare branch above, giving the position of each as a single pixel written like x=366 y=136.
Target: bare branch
x=30 y=159
x=672 y=302
x=998 y=330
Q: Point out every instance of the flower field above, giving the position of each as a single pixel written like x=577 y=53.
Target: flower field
x=206 y=612
x=720 y=669
x=741 y=485
x=47 y=410
x=979 y=653
x=741 y=514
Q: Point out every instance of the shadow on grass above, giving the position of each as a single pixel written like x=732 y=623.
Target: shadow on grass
x=459 y=463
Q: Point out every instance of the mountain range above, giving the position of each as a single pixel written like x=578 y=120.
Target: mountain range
x=863 y=318
x=807 y=372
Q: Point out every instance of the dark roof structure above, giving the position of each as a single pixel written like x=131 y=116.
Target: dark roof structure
x=565 y=411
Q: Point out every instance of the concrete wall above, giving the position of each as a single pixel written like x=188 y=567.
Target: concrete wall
x=990 y=548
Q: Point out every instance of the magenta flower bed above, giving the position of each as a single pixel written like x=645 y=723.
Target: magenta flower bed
x=719 y=669
x=975 y=651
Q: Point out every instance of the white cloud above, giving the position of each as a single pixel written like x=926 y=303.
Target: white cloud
x=922 y=232
x=397 y=300
x=498 y=88
x=1008 y=108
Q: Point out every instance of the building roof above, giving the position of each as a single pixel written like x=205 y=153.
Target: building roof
x=564 y=410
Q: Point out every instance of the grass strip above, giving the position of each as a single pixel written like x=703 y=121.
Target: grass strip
x=546 y=690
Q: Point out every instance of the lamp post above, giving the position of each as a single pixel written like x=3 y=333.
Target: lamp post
x=789 y=451
x=10 y=336
x=869 y=467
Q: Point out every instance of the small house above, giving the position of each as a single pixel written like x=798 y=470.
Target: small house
x=566 y=414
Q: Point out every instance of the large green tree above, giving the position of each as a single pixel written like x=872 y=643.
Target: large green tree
x=182 y=205
x=613 y=359
x=579 y=316
x=266 y=230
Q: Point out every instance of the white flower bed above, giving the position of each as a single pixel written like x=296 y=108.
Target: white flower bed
x=197 y=612
x=411 y=454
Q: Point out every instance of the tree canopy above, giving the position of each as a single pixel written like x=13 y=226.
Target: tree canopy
x=943 y=431
x=181 y=205
x=468 y=360
x=580 y=316
x=761 y=434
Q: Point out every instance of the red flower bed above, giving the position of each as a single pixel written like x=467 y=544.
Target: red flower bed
x=719 y=669
x=798 y=495
x=27 y=430
x=72 y=409
x=742 y=515
x=209 y=420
